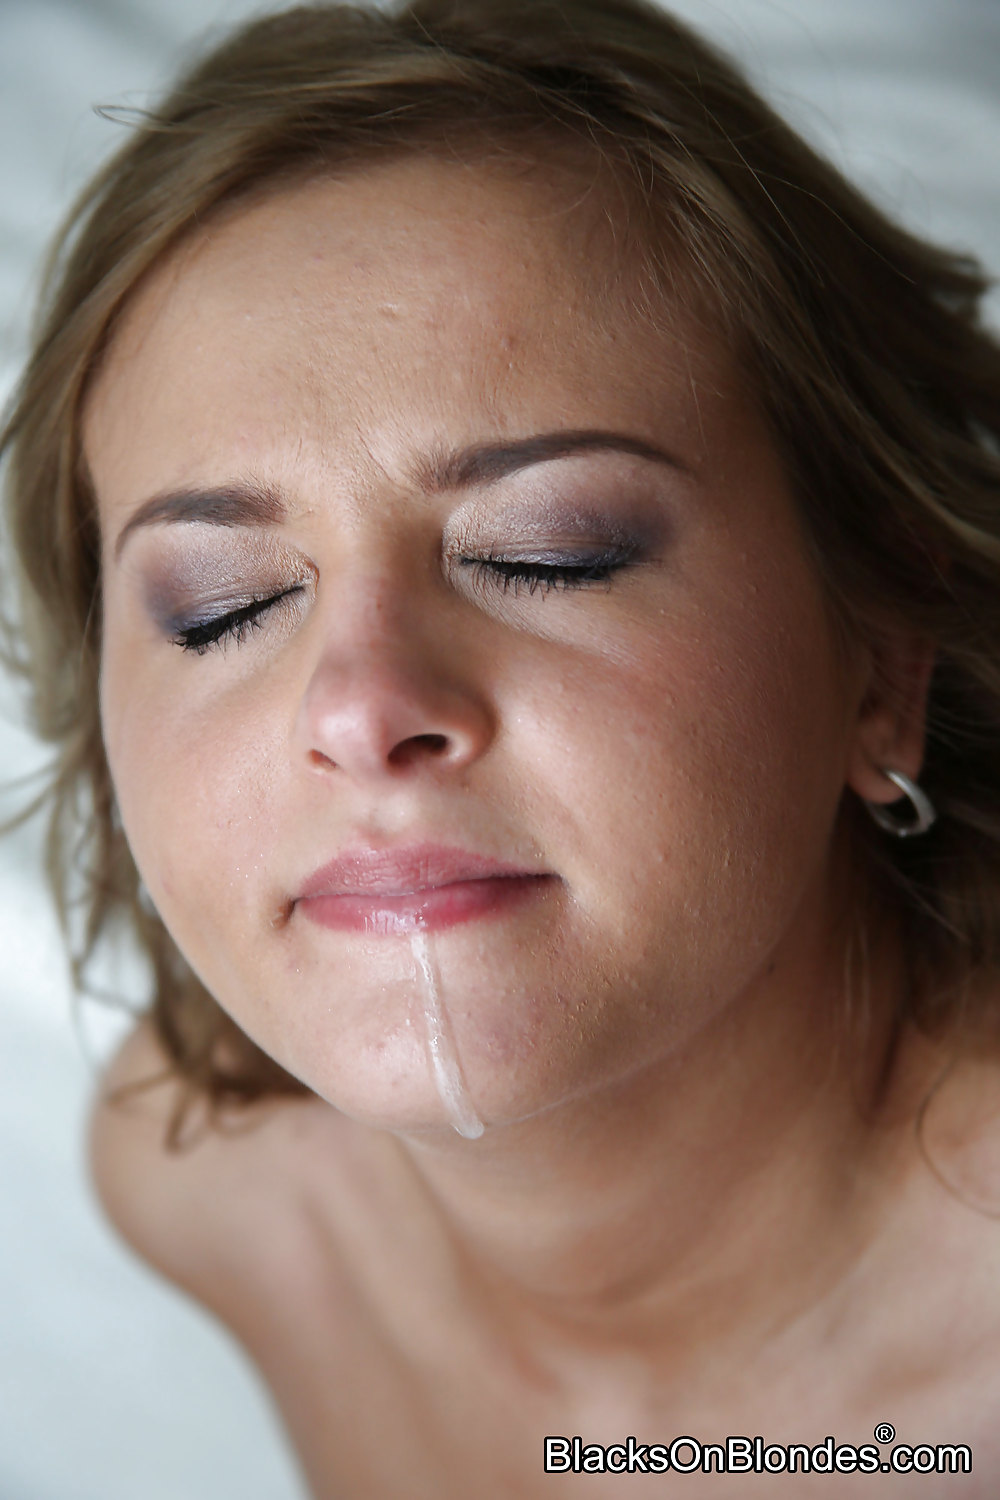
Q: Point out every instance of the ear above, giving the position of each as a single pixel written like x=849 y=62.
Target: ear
x=891 y=716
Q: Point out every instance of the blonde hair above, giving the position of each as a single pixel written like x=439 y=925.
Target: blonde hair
x=881 y=386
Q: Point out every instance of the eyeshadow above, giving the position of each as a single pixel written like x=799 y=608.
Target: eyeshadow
x=180 y=573
x=614 y=525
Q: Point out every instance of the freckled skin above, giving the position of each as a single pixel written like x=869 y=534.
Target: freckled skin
x=673 y=745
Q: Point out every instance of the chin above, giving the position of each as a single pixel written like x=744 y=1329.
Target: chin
x=403 y=1085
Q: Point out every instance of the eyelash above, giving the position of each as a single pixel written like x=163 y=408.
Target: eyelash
x=233 y=626
x=503 y=572
x=506 y=572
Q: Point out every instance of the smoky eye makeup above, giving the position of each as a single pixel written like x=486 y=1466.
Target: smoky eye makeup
x=200 y=592
x=206 y=587
x=200 y=632
x=539 y=548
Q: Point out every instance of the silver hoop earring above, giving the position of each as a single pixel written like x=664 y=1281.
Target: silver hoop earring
x=923 y=807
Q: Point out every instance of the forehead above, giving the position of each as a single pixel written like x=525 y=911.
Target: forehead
x=356 y=317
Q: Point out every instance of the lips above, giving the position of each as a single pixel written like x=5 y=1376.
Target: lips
x=403 y=871
x=420 y=885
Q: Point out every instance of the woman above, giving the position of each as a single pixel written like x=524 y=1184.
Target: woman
x=502 y=525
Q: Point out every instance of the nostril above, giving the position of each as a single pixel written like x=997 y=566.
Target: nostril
x=416 y=745
x=411 y=749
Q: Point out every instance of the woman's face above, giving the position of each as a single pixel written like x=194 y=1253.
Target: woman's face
x=493 y=565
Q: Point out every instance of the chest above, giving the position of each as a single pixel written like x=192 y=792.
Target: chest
x=370 y=1417
x=373 y=1416
x=396 y=1378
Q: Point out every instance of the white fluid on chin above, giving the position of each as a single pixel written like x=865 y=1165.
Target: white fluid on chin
x=451 y=1086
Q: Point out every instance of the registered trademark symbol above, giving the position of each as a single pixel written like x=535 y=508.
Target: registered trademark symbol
x=885 y=1432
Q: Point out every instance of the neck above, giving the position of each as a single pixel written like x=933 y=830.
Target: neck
x=709 y=1197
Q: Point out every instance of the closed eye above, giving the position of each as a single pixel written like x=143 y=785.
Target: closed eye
x=534 y=575
x=235 y=625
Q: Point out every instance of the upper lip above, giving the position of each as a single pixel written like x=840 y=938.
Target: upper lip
x=404 y=870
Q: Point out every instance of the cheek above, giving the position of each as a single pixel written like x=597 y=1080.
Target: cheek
x=702 y=771
x=194 y=778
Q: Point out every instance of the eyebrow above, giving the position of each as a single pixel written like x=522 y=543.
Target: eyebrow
x=254 y=504
x=485 y=463
x=244 y=504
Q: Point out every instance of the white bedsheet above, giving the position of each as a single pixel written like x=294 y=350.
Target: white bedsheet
x=112 y=1386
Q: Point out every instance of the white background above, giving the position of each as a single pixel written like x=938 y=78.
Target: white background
x=113 y=1386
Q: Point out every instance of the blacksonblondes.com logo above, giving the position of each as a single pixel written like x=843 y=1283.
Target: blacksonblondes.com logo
x=744 y=1455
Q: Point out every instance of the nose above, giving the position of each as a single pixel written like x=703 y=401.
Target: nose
x=385 y=698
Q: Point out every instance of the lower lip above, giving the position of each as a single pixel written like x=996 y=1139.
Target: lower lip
x=438 y=907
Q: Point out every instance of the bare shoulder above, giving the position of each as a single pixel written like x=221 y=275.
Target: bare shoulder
x=938 y=1259
x=218 y=1216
